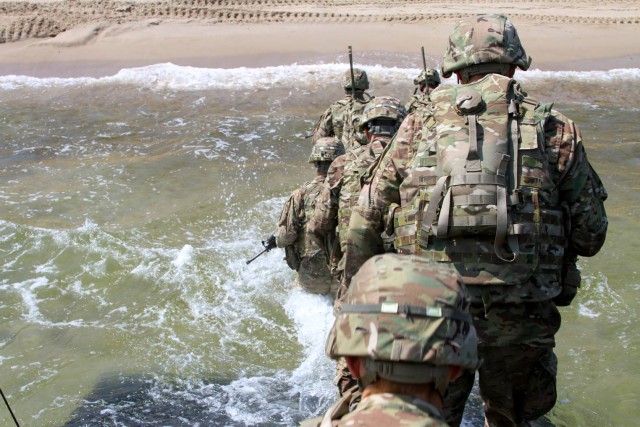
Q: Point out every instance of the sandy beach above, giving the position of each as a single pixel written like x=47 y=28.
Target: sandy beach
x=84 y=38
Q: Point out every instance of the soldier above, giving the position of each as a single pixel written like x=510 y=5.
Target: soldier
x=380 y=120
x=303 y=255
x=426 y=82
x=500 y=188
x=341 y=113
x=405 y=333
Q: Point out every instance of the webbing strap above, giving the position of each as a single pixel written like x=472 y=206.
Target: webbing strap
x=474 y=221
x=407 y=310
x=442 y=230
x=473 y=163
x=431 y=209
x=478 y=178
x=514 y=133
x=475 y=199
x=502 y=227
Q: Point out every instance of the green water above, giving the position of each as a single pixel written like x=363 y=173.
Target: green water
x=127 y=214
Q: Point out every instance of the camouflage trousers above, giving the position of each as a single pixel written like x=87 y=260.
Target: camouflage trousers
x=517 y=380
x=314 y=276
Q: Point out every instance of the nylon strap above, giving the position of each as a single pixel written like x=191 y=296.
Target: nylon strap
x=515 y=136
x=431 y=209
x=408 y=310
x=475 y=199
x=473 y=163
x=478 y=178
x=442 y=230
x=502 y=227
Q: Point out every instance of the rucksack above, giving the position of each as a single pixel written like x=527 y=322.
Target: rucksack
x=473 y=196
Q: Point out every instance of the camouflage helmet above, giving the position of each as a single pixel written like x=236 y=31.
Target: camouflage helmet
x=408 y=317
x=428 y=77
x=382 y=107
x=359 y=76
x=326 y=149
x=484 y=39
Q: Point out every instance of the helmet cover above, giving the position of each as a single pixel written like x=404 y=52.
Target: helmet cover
x=382 y=107
x=326 y=149
x=360 y=78
x=484 y=39
x=402 y=308
x=428 y=77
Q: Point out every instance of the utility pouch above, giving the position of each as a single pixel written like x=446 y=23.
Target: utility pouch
x=292 y=257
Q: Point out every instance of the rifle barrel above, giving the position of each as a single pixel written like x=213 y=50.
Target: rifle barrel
x=353 y=78
x=255 y=257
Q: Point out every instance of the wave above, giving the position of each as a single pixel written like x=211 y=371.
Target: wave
x=168 y=76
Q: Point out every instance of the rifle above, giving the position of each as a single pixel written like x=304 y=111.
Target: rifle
x=353 y=79
x=268 y=244
x=424 y=67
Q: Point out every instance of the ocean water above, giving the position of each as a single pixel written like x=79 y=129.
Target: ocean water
x=130 y=203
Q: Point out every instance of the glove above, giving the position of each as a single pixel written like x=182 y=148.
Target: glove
x=270 y=243
x=571 y=279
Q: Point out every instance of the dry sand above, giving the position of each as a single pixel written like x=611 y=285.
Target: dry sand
x=92 y=38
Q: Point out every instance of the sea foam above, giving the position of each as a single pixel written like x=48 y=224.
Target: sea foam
x=186 y=78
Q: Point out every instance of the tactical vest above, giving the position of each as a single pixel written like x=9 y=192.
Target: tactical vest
x=339 y=110
x=351 y=136
x=479 y=193
x=358 y=162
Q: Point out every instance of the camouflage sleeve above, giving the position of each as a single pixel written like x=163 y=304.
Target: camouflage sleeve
x=581 y=191
x=324 y=127
x=380 y=191
x=290 y=220
x=325 y=216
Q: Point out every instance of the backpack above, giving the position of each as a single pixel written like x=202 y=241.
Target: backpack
x=473 y=196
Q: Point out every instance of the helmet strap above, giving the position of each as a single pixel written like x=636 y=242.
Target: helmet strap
x=322 y=167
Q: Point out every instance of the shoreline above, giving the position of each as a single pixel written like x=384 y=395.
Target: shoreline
x=103 y=48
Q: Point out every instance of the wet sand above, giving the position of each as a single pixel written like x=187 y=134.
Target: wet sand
x=81 y=38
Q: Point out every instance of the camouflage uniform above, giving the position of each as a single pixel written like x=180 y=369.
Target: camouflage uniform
x=384 y=409
x=406 y=320
x=302 y=254
x=516 y=272
x=426 y=81
x=337 y=120
x=343 y=185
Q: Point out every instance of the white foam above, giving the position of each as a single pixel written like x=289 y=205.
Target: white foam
x=27 y=290
x=186 y=78
x=184 y=257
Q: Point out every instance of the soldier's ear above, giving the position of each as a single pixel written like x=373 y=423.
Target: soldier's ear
x=354 y=364
x=454 y=372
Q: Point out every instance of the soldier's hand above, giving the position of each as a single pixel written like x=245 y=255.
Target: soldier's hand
x=270 y=243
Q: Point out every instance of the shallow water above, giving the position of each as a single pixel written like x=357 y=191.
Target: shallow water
x=129 y=205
